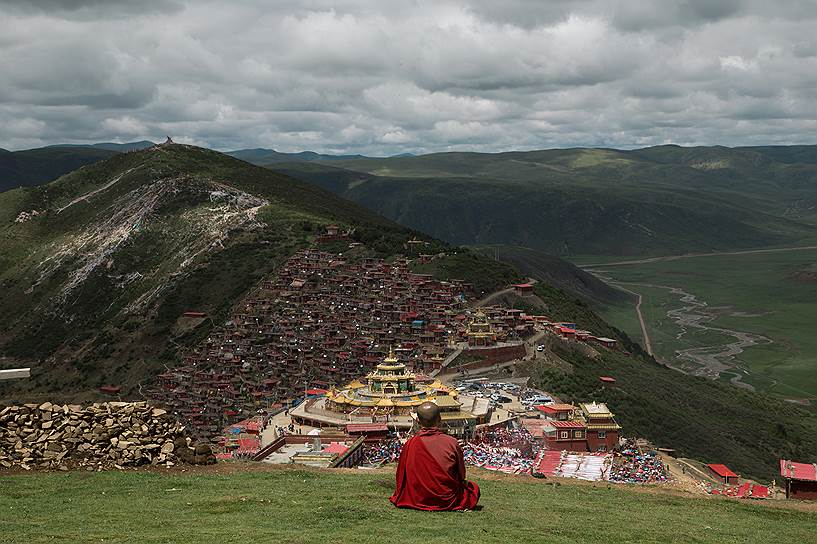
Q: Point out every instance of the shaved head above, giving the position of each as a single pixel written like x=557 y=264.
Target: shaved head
x=428 y=414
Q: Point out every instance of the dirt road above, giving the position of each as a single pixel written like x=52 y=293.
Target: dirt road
x=638 y=298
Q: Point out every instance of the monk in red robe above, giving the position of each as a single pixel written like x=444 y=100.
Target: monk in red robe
x=431 y=471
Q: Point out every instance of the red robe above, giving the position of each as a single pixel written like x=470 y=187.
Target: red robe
x=431 y=474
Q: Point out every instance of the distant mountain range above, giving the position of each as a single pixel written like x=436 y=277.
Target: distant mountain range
x=37 y=166
x=573 y=202
x=31 y=167
x=264 y=157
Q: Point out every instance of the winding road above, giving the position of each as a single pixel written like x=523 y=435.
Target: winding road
x=638 y=299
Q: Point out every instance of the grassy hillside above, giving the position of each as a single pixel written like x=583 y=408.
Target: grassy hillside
x=36 y=166
x=305 y=506
x=485 y=274
x=661 y=200
x=559 y=273
x=93 y=286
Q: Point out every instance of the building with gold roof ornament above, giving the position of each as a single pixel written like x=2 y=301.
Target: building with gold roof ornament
x=479 y=331
x=389 y=388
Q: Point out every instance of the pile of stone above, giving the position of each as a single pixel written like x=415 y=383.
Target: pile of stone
x=97 y=437
x=26 y=216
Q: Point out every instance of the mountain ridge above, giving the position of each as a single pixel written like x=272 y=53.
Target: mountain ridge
x=97 y=266
x=574 y=202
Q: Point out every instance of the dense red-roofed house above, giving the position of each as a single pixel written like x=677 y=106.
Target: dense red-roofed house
x=801 y=479
x=247 y=445
x=565 y=435
x=722 y=473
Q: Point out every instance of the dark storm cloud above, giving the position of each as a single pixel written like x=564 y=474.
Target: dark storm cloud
x=386 y=77
x=89 y=8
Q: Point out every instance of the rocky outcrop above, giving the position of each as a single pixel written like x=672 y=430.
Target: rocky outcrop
x=97 y=437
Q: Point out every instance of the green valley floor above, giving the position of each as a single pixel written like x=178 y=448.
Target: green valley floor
x=293 y=505
x=770 y=296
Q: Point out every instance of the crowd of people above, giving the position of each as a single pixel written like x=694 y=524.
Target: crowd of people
x=386 y=451
x=635 y=467
x=507 y=450
x=514 y=451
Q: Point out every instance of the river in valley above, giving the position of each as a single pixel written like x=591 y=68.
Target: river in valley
x=711 y=361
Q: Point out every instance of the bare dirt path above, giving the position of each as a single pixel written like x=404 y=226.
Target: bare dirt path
x=695 y=255
x=88 y=195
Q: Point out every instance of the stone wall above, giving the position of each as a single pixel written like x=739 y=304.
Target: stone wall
x=96 y=437
x=491 y=356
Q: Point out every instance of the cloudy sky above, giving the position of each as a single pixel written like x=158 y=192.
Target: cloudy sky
x=384 y=77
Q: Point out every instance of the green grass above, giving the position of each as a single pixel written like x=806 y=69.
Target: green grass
x=624 y=318
x=300 y=506
x=758 y=293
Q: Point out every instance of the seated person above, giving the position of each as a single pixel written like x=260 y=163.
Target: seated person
x=431 y=471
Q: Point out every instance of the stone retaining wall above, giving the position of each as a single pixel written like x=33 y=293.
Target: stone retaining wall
x=97 y=437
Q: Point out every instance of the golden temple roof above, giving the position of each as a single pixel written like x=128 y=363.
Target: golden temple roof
x=391 y=357
x=446 y=401
x=603 y=426
x=595 y=410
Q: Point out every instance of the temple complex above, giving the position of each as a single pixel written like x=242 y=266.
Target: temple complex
x=390 y=396
x=590 y=428
x=323 y=322
x=389 y=389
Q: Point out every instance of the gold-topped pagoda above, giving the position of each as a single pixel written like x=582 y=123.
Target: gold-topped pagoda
x=390 y=387
x=479 y=331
